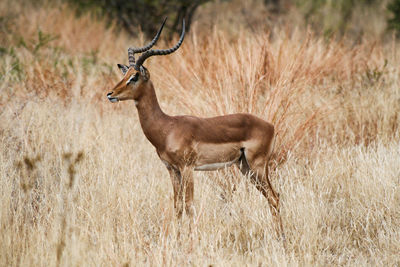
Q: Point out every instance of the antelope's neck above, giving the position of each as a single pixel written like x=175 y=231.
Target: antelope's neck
x=152 y=119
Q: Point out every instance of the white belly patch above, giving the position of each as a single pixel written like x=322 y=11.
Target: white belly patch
x=214 y=166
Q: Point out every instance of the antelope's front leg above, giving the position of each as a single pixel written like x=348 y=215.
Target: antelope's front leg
x=176 y=179
x=183 y=185
x=188 y=189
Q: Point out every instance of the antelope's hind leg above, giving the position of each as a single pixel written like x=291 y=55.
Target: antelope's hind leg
x=257 y=168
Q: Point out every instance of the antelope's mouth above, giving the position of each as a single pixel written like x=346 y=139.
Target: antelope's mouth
x=112 y=99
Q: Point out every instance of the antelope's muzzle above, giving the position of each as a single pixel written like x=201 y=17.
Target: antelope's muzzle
x=112 y=99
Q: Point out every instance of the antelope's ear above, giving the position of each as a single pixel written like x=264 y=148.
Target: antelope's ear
x=144 y=73
x=123 y=68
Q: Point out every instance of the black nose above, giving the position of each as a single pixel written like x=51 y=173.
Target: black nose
x=110 y=94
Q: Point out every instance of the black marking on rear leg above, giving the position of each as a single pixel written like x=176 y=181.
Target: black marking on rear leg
x=243 y=163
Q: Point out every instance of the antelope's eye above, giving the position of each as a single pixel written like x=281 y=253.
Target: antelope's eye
x=133 y=78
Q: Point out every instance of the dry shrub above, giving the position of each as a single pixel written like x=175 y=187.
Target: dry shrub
x=51 y=52
x=289 y=80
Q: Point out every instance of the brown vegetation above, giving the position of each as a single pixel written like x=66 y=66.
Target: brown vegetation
x=109 y=202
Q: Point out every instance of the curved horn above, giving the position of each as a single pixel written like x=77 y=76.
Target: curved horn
x=132 y=51
x=159 y=52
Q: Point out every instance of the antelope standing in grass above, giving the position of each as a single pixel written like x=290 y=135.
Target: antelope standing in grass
x=187 y=143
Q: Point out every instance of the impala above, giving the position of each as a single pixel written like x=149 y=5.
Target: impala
x=188 y=143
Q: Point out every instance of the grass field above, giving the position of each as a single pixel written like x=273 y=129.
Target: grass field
x=80 y=184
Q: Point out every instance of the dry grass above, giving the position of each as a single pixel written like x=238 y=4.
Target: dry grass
x=80 y=185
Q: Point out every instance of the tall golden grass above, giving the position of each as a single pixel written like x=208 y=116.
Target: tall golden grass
x=80 y=185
